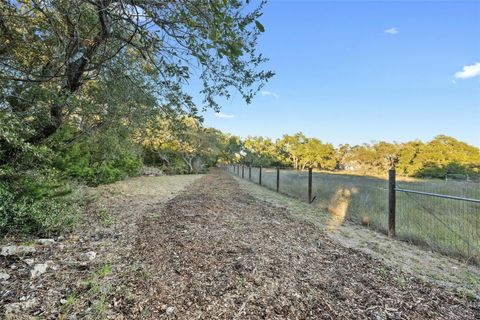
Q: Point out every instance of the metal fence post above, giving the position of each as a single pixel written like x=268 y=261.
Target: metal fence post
x=260 y=176
x=249 y=172
x=243 y=169
x=391 y=203
x=309 y=185
x=278 y=179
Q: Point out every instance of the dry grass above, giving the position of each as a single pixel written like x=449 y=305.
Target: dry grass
x=448 y=226
x=425 y=264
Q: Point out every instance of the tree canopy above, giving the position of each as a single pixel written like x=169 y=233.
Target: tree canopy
x=62 y=61
x=434 y=159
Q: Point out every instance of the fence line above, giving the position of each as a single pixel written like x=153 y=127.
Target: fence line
x=434 y=216
x=444 y=196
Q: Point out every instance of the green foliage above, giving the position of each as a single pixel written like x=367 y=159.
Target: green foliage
x=297 y=150
x=434 y=159
x=103 y=158
x=166 y=140
x=30 y=208
x=79 y=77
x=259 y=151
x=58 y=57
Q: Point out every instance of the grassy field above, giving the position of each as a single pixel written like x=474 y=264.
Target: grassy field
x=448 y=226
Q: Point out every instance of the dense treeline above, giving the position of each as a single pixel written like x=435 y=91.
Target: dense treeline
x=192 y=148
x=434 y=159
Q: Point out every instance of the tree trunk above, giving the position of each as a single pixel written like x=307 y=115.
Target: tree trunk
x=188 y=161
x=164 y=158
x=74 y=68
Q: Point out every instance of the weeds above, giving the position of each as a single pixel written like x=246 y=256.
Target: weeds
x=106 y=217
x=93 y=291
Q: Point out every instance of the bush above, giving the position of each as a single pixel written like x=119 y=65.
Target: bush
x=176 y=166
x=101 y=159
x=28 y=214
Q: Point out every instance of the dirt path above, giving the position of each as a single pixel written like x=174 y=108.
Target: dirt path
x=215 y=252
x=191 y=247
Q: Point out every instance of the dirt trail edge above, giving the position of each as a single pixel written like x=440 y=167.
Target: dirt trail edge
x=216 y=252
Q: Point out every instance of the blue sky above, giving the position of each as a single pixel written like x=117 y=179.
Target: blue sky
x=363 y=71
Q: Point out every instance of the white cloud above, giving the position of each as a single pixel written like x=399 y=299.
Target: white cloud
x=469 y=71
x=223 y=115
x=392 y=30
x=269 y=93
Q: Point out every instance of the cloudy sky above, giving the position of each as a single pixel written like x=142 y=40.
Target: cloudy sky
x=355 y=72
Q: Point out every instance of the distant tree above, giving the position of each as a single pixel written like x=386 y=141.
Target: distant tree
x=290 y=148
x=182 y=137
x=407 y=158
x=435 y=158
x=341 y=155
x=260 y=151
x=315 y=154
x=231 y=149
x=444 y=155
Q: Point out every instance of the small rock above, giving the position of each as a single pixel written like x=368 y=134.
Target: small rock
x=38 y=269
x=4 y=276
x=170 y=310
x=63 y=301
x=88 y=256
x=60 y=238
x=12 y=310
x=51 y=265
x=45 y=242
x=17 y=250
x=29 y=261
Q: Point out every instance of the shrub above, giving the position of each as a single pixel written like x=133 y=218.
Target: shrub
x=27 y=214
x=100 y=159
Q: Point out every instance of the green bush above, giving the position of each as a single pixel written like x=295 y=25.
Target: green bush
x=176 y=166
x=28 y=214
x=100 y=159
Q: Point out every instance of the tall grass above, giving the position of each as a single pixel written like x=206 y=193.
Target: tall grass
x=445 y=225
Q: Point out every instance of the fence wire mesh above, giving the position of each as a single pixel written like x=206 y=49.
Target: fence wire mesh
x=450 y=226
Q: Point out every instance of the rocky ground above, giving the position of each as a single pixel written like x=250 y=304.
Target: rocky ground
x=212 y=251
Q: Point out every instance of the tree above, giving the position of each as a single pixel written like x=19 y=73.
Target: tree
x=51 y=51
x=182 y=137
x=291 y=148
x=342 y=153
x=231 y=149
x=260 y=151
x=444 y=155
x=315 y=154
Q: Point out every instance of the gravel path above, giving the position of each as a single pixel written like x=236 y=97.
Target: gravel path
x=216 y=252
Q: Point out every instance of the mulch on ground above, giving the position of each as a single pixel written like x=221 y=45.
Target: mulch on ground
x=216 y=252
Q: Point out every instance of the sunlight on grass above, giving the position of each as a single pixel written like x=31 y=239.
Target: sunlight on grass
x=448 y=226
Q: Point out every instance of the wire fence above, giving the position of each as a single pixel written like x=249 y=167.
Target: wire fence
x=441 y=215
